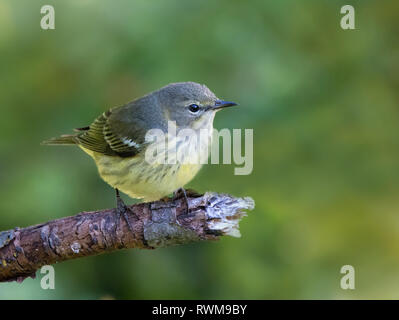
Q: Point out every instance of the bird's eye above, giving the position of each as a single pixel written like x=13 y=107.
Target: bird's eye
x=194 y=108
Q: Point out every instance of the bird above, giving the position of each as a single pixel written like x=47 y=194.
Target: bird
x=118 y=141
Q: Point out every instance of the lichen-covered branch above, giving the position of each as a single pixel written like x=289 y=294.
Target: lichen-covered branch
x=156 y=224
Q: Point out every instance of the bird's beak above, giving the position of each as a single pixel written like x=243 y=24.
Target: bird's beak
x=219 y=104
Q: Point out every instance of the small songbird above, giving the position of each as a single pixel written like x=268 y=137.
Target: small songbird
x=117 y=140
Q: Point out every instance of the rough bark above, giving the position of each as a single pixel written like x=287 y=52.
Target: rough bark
x=156 y=224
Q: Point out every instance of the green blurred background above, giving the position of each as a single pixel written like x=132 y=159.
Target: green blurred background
x=323 y=103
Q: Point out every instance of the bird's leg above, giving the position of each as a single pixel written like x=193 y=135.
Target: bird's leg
x=122 y=209
x=176 y=195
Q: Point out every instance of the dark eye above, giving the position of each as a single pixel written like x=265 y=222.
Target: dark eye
x=194 y=107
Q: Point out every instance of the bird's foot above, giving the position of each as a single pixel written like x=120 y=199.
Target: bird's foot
x=183 y=193
x=122 y=210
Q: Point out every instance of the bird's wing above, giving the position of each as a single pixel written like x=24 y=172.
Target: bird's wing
x=110 y=136
x=92 y=137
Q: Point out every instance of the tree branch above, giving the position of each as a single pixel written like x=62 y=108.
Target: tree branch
x=155 y=224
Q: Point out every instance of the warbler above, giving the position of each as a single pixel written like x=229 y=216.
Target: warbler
x=117 y=139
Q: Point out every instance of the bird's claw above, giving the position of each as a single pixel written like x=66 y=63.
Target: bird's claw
x=122 y=210
x=185 y=193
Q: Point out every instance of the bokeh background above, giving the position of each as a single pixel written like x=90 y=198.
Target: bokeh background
x=323 y=103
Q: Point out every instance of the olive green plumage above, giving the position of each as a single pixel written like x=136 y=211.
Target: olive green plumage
x=116 y=140
x=99 y=137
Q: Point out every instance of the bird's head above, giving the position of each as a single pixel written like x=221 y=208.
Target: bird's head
x=190 y=105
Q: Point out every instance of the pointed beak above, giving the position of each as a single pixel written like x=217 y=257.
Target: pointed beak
x=219 y=104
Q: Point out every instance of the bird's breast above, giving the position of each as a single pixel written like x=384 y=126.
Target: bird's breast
x=151 y=177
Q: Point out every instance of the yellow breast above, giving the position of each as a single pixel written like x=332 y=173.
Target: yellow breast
x=140 y=179
x=152 y=180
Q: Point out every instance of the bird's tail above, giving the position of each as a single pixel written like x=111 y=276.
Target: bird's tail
x=66 y=139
